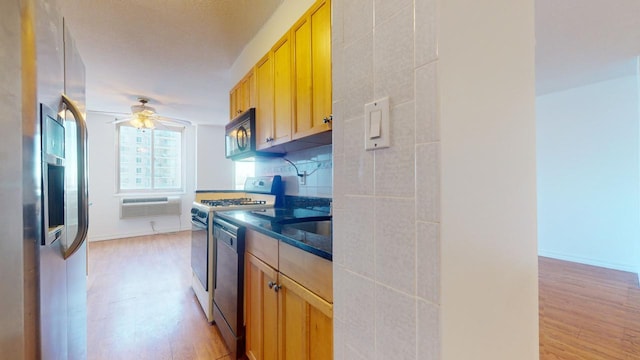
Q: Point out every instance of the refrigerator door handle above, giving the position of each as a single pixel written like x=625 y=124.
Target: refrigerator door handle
x=83 y=201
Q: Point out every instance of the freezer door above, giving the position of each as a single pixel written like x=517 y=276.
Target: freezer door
x=76 y=198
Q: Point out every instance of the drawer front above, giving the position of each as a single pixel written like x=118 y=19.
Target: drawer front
x=263 y=247
x=310 y=271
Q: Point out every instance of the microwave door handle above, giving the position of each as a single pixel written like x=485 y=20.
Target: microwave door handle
x=83 y=201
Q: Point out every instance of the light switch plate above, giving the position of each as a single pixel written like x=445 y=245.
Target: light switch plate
x=376 y=124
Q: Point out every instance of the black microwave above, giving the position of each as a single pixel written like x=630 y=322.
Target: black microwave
x=240 y=138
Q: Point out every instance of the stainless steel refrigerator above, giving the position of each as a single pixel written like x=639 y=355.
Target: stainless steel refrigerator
x=55 y=192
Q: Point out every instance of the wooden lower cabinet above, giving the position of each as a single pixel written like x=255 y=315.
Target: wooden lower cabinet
x=261 y=310
x=284 y=320
x=305 y=325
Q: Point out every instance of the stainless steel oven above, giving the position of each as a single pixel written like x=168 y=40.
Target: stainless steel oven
x=259 y=193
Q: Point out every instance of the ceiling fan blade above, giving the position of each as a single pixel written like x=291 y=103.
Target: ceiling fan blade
x=173 y=120
x=119 y=120
x=112 y=113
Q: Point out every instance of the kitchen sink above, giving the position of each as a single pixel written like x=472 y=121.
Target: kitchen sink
x=318 y=227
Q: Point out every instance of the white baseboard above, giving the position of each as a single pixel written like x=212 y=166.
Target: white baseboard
x=615 y=266
x=134 y=234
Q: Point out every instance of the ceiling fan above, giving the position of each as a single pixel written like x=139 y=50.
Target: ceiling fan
x=144 y=116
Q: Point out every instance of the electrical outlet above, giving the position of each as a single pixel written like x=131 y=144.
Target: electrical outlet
x=303 y=178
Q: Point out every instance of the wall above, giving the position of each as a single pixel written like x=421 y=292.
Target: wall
x=213 y=170
x=104 y=210
x=488 y=214
x=437 y=234
x=589 y=174
x=12 y=336
x=318 y=164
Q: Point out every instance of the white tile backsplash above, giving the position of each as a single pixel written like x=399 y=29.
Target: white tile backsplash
x=317 y=162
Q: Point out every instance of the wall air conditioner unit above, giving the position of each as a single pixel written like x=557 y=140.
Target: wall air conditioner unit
x=151 y=206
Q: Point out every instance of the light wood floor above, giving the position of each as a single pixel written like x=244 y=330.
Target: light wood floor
x=141 y=306
x=587 y=312
x=140 y=302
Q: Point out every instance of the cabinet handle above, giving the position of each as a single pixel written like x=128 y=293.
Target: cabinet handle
x=269 y=139
x=239 y=111
x=328 y=119
x=270 y=284
x=276 y=288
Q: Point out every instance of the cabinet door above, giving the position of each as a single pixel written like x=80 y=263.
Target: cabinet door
x=305 y=327
x=312 y=71
x=282 y=91
x=321 y=64
x=247 y=92
x=264 y=102
x=233 y=102
x=261 y=310
x=301 y=34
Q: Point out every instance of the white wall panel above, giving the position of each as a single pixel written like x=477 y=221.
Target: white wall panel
x=588 y=174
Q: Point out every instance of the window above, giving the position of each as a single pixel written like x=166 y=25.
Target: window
x=150 y=159
x=243 y=171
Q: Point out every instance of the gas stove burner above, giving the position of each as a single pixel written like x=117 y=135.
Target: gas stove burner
x=233 y=202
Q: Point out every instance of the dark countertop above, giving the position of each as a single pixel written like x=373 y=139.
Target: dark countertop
x=285 y=225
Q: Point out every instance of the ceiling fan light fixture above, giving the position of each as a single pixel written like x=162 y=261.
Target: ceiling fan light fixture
x=136 y=122
x=148 y=124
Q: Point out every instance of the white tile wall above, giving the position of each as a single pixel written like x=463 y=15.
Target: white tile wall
x=428 y=261
x=395 y=241
x=394 y=166
x=357 y=222
x=386 y=202
x=395 y=324
x=393 y=62
x=428 y=182
x=428 y=333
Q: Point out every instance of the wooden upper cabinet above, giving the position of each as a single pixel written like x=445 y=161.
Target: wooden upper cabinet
x=264 y=102
x=283 y=102
x=311 y=37
x=242 y=96
x=233 y=101
x=290 y=87
x=274 y=104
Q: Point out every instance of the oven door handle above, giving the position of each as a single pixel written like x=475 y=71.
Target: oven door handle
x=198 y=224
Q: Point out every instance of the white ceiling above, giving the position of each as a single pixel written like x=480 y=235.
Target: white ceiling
x=178 y=52
x=175 y=52
x=584 y=41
